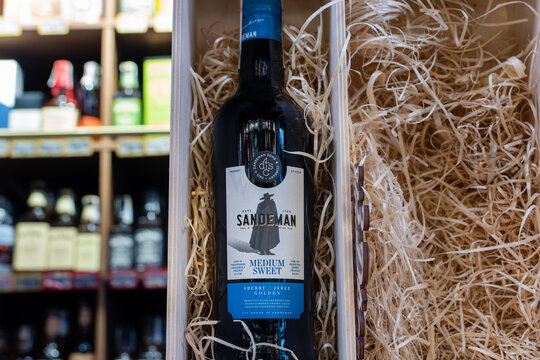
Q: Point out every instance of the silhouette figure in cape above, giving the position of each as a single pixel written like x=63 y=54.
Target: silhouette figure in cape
x=264 y=236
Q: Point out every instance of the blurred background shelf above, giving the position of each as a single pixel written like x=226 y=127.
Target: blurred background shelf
x=110 y=161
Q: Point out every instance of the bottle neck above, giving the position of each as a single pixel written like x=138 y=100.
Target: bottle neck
x=261 y=59
x=261 y=64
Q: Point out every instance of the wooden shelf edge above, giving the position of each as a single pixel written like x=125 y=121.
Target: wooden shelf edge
x=90 y=131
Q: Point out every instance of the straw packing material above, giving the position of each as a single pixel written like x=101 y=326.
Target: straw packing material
x=214 y=80
x=444 y=118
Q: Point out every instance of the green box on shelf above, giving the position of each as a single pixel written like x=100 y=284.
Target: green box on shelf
x=157 y=91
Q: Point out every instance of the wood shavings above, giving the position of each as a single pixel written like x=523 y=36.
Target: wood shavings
x=446 y=124
x=214 y=80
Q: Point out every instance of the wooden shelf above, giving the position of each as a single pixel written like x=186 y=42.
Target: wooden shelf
x=49 y=281
x=90 y=131
x=125 y=142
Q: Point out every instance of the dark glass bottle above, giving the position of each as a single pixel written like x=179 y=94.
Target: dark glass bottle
x=89 y=94
x=127 y=105
x=83 y=348
x=121 y=241
x=149 y=234
x=154 y=338
x=7 y=234
x=263 y=202
x=125 y=340
x=4 y=341
x=56 y=331
x=25 y=343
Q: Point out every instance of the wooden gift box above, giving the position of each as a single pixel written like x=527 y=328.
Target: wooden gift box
x=190 y=17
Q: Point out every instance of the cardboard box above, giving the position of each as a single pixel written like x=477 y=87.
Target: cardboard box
x=12 y=82
x=157 y=91
x=191 y=16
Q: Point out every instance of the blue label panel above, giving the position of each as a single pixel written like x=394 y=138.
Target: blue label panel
x=261 y=26
x=265 y=300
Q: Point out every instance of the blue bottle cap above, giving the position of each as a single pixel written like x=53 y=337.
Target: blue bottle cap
x=249 y=7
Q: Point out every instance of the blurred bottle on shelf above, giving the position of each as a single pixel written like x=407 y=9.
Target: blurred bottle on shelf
x=61 y=113
x=63 y=234
x=7 y=235
x=121 y=241
x=25 y=343
x=138 y=8
x=154 y=338
x=125 y=340
x=89 y=94
x=86 y=12
x=56 y=331
x=88 y=256
x=4 y=341
x=32 y=233
x=127 y=104
x=84 y=348
x=149 y=234
x=34 y=12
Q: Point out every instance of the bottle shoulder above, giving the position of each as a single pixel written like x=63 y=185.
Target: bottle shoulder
x=249 y=103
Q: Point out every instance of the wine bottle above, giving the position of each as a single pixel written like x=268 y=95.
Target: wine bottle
x=25 y=343
x=149 y=234
x=121 y=241
x=125 y=340
x=127 y=105
x=263 y=202
x=4 y=341
x=154 y=338
x=89 y=94
x=56 y=331
x=83 y=349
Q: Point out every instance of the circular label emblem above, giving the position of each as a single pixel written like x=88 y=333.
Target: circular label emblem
x=266 y=166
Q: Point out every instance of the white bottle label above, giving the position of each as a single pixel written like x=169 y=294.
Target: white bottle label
x=122 y=249
x=149 y=247
x=265 y=241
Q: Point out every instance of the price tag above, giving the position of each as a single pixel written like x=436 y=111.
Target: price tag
x=130 y=147
x=155 y=279
x=53 y=26
x=9 y=28
x=163 y=22
x=51 y=147
x=123 y=280
x=157 y=145
x=6 y=283
x=4 y=148
x=132 y=23
x=29 y=282
x=23 y=148
x=58 y=281
x=86 y=281
x=79 y=146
